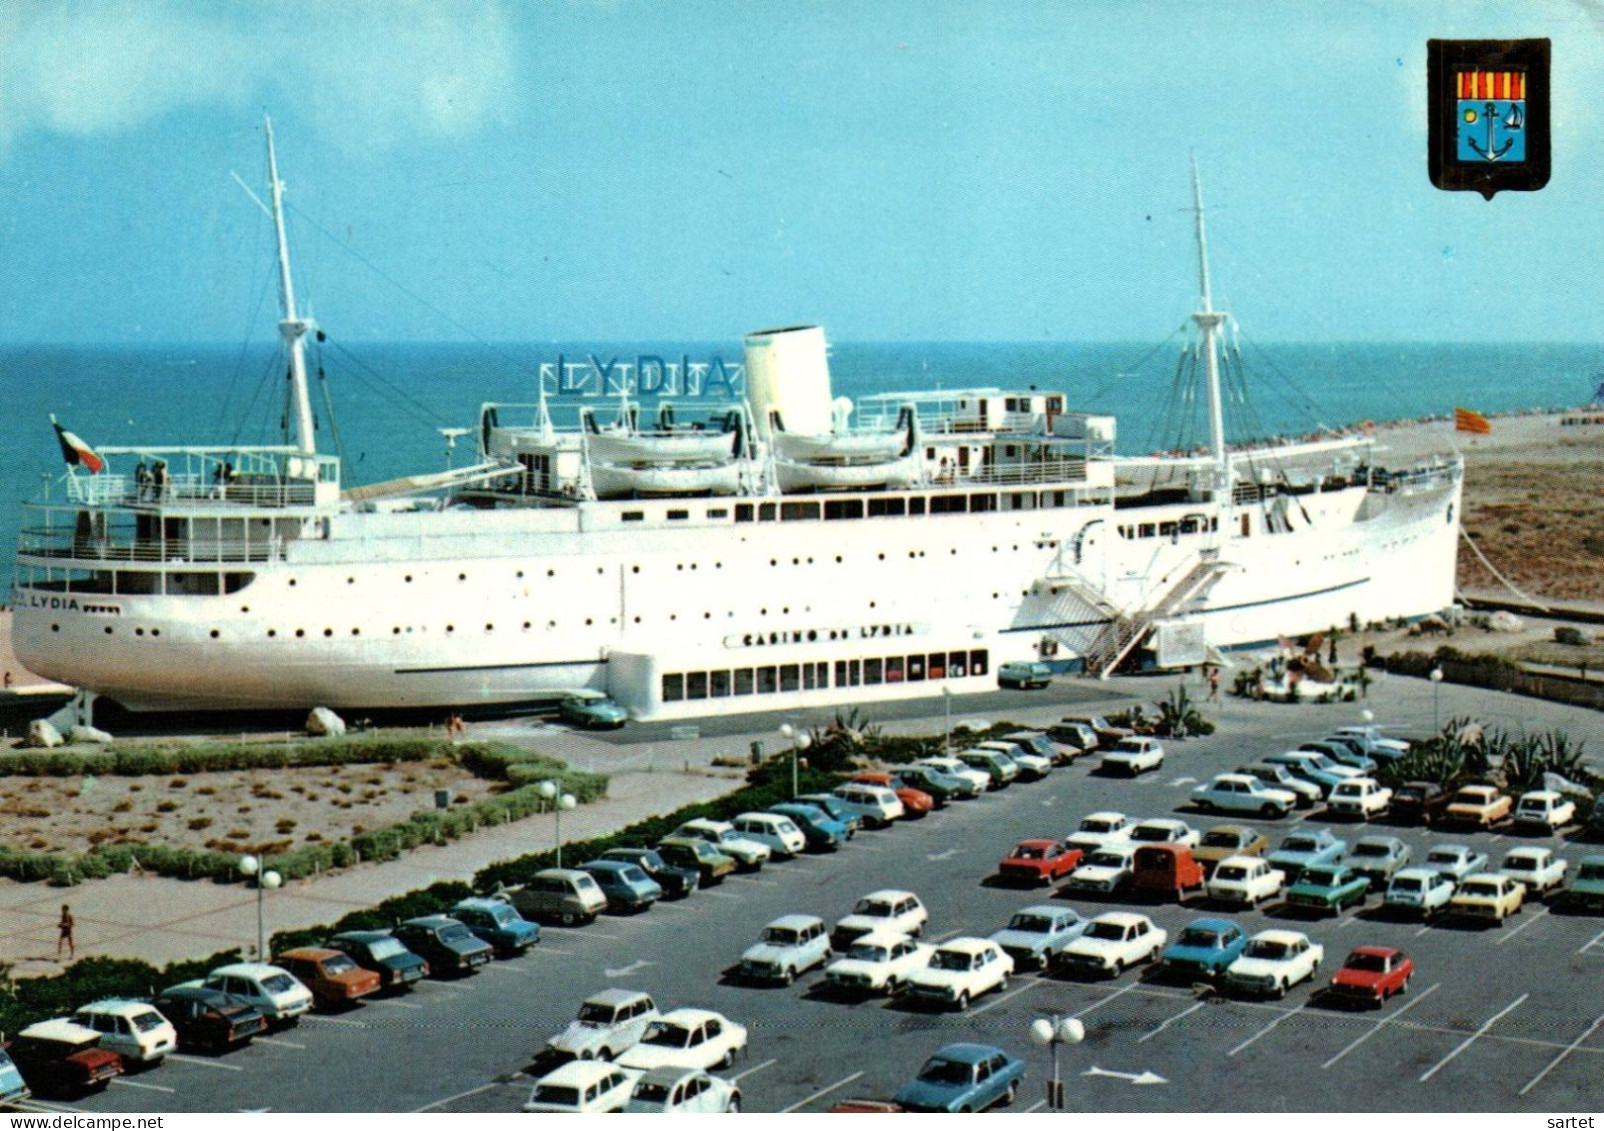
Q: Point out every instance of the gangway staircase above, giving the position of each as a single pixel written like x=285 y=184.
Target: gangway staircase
x=1126 y=629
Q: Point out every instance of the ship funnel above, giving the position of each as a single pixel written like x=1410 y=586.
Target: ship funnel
x=788 y=377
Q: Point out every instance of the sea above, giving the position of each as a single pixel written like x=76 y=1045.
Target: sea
x=391 y=401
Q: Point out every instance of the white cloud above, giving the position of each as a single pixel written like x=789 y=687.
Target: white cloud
x=367 y=74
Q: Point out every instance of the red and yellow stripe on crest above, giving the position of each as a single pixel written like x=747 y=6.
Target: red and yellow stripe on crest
x=1497 y=85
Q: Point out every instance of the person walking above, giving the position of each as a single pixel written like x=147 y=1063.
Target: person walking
x=1214 y=683
x=64 y=933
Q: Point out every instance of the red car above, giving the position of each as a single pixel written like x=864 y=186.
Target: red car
x=1039 y=862
x=1372 y=974
x=915 y=802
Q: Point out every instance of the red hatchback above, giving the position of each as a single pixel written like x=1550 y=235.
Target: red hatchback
x=1372 y=974
x=1039 y=862
x=915 y=802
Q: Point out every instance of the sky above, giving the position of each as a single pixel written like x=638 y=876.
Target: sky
x=897 y=170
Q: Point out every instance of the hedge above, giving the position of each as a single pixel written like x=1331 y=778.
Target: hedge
x=144 y=759
x=37 y=999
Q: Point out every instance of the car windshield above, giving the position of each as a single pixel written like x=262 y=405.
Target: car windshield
x=1231 y=872
x=1470 y=797
x=1591 y=872
x=651 y=1091
x=1130 y=746
x=145 y=1022
x=1266 y=948
x=865 y=952
x=592 y=1013
x=1029 y=852
x=1534 y=805
x=338 y=965
x=1200 y=937
x=632 y=875
x=386 y=948
x=781 y=936
x=1321 y=761
x=667 y=1034
x=503 y=916
x=938 y=1071
x=1035 y=924
x=1318 y=878
x=278 y=983
x=1371 y=962
x=1222 y=840
x=874 y=908
x=1301 y=844
x=1157 y=834
x=1408 y=883
x=1409 y=793
x=1363 y=849
x=456 y=932
x=951 y=960
x=1097 y=825
x=1107 y=860
x=558 y=1095
x=1111 y=931
x=1478 y=886
x=1443 y=858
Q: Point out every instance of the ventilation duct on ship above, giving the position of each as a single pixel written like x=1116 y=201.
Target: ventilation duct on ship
x=788 y=372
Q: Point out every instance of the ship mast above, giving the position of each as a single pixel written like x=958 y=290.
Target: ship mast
x=1208 y=322
x=293 y=327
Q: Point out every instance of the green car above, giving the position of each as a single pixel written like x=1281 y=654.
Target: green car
x=709 y=864
x=1328 y=887
x=1586 y=892
x=941 y=787
x=592 y=710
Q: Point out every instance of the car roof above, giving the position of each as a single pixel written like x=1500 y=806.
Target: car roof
x=118 y=1005
x=759 y=815
x=364 y=937
x=1375 y=951
x=969 y=1053
x=1461 y=849
x=1287 y=937
x=668 y=1077
x=969 y=945
x=559 y=873
x=615 y=995
x=314 y=953
x=1038 y=842
x=431 y=921
x=1545 y=794
x=1389 y=841
x=1235 y=830
x=1120 y=918
x=890 y=894
x=480 y=903
x=1044 y=909
x=1242 y=860
x=1167 y=822
x=1419 y=873
x=1211 y=924
x=1235 y=776
x=882 y=936
x=247 y=970
x=578 y=1073
x=59 y=1029
x=689 y=1015
x=796 y=922
x=706 y=823
x=614 y=866
x=1529 y=850
x=1105 y=815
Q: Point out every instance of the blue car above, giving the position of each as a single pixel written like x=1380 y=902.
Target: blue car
x=1301 y=849
x=1342 y=753
x=11 y=1085
x=963 y=1078
x=625 y=885
x=497 y=923
x=839 y=810
x=1036 y=935
x=1312 y=767
x=1204 y=949
x=824 y=833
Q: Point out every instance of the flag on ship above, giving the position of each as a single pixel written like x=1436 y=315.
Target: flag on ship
x=1469 y=420
x=74 y=450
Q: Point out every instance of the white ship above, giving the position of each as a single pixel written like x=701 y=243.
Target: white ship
x=783 y=549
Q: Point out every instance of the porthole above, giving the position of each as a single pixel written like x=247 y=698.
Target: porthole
x=155 y=632
x=350 y=581
x=356 y=632
x=108 y=630
x=451 y=628
x=292 y=582
x=328 y=632
x=396 y=631
x=520 y=573
x=300 y=632
x=589 y=622
x=139 y=632
x=272 y=632
x=551 y=573
x=637 y=619
x=214 y=634
x=490 y=628
x=526 y=626
x=462 y=577
x=55 y=628
x=409 y=579
x=244 y=608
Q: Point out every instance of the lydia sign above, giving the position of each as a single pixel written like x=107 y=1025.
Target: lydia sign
x=648 y=375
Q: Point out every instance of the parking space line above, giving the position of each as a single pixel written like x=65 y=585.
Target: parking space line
x=1009 y=996
x=118 y=1080
x=948 y=935
x=1553 y=1064
x=1382 y=1023
x=32 y=1104
x=736 y=1079
x=600 y=935
x=1037 y=1106
x=1167 y=1022
x=337 y=1021
x=1511 y=934
x=722 y=895
x=203 y=1062
x=1104 y=1001
x=821 y=1092
x=1273 y=1023
x=398 y=1004
x=1423 y=930
x=1590 y=944
x=276 y=1042
x=458 y=1096
x=497 y=970
x=1470 y=1040
x=760 y=883
x=551 y=950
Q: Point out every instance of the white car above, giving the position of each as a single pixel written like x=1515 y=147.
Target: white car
x=791 y=945
x=750 y=854
x=1418 y=891
x=1248 y=880
x=1243 y=793
x=1098 y=829
x=1361 y=798
x=961 y=970
x=683 y=1091
x=1107 y=870
x=1165 y=830
x=1274 y=962
x=1371 y=735
x=1538 y=868
x=1279 y=777
x=879 y=805
x=1114 y=942
x=276 y=993
x=888 y=908
x=687 y=1038
x=609 y=1023
x=136 y=1030
x=1544 y=809
x=879 y=962
x=954 y=766
x=1030 y=763
x=584 y=1086
x=778 y=832
x=1133 y=756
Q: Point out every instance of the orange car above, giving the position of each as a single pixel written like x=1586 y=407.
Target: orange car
x=1039 y=861
x=915 y=802
x=332 y=976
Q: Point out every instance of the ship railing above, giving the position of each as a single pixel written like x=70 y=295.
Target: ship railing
x=189 y=490
x=1065 y=469
x=62 y=545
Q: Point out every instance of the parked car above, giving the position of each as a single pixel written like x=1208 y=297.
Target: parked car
x=564 y=895
x=12 y=1085
x=1487 y=896
x=581 y=1086
x=1537 y=868
x=1328 y=888
x=1594 y=828
x=609 y=1022
x=1359 y=798
x=916 y=803
x=1038 y=742
x=1204 y=949
x=332 y=975
x=791 y=945
x=1035 y=936
x=1456 y=861
x=209 y=1019
x=1024 y=674
x=498 y=923
x=878 y=962
x=1165 y=871
x=1133 y=756
x=1279 y=777
x=888 y=908
x=273 y=991
x=676 y=882
x=823 y=832
x=776 y=830
x=1273 y=962
x=1377 y=744
x=1223 y=841
x=627 y=889
x=999 y=767
x=1343 y=753
x=960 y=971
x=1098 y=829
x=847 y=814
x=947 y=764
x=1372 y=974
x=749 y=855
x=709 y=864
x=1242 y=793
x=1377 y=858
x=1078 y=735
x=687 y=1038
x=1420 y=802
x=1107 y=871
x=1032 y=766
x=1544 y=810
x=1164 y=830
x=963 y=1078
x=60 y=1057
x=1419 y=891
x=591 y=710
x=1107 y=733
x=683 y=1091
x=446 y=944
x=942 y=787
x=1312 y=767
x=1481 y=805
x=1586 y=892
x=876 y=805
x=1112 y=943
x=1038 y=862
x=1301 y=849
x=384 y=954
x=1248 y=880
x=134 y=1030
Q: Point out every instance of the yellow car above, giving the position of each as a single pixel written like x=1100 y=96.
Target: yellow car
x=1487 y=897
x=1479 y=805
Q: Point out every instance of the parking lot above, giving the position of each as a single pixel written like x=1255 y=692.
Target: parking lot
x=1501 y=1018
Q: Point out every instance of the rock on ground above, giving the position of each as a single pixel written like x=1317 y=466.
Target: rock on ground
x=324 y=723
x=81 y=734
x=42 y=734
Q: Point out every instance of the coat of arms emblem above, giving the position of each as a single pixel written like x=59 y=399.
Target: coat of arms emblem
x=1489 y=127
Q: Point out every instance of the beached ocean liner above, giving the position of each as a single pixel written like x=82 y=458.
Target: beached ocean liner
x=689 y=555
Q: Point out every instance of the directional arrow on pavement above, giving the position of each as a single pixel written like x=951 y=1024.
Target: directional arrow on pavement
x=947 y=855
x=1133 y=1077
x=633 y=967
x=1051 y=801
x=1183 y=781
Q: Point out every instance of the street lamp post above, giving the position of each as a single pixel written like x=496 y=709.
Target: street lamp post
x=1436 y=713
x=559 y=802
x=799 y=740
x=946 y=720
x=266 y=878
x=1053 y=1032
